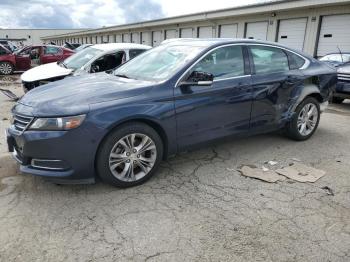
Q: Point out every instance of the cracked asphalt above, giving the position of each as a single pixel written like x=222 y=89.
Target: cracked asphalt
x=197 y=208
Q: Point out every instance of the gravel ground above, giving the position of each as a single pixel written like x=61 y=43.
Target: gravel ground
x=197 y=208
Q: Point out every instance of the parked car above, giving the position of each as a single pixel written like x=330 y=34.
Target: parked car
x=71 y=46
x=8 y=44
x=31 y=56
x=342 y=62
x=97 y=58
x=171 y=98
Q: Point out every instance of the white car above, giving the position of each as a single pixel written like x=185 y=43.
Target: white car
x=93 y=59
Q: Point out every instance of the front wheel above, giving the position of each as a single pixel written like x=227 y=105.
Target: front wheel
x=305 y=120
x=6 y=68
x=129 y=155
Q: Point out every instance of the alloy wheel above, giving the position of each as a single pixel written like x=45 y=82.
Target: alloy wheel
x=5 y=68
x=132 y=157
x=307 y=119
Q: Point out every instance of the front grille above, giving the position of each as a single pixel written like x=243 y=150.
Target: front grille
x=21 y=122
x=344 y=77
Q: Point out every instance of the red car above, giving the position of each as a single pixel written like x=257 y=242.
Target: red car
x=30 y=56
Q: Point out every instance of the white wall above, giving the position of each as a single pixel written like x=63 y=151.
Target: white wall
x=33 y=36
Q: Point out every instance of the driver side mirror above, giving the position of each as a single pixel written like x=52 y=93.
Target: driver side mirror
x=198 y=78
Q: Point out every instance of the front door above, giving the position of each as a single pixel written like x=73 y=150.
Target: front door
x=23 y=59
x=221 y=109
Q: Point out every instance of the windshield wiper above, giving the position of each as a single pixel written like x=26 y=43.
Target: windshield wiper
x=123 y=76
x=61 y=63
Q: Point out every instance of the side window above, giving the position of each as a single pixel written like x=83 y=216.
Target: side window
x=135 y=52
x=51 y=50
x=224 y=62
x=295 y=61
x=269 y=60
x=108 y=62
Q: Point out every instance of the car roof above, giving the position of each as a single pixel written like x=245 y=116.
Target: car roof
x=214 y=42
x=114 y=46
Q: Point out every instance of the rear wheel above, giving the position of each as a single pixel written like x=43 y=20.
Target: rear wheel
x=130 y=155
x=337 y=100
x=305 y=120
x=6 y=68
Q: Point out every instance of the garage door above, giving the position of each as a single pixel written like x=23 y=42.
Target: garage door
x=205 y=32
x=135 y=38
x=118 y=38
x=186 y=33
x=169 y=34
x=291 y=32
x=146 y=38
x=126 y=38
x=256 y=30
x=228 y=31
x=157 y=38
x=334 y=33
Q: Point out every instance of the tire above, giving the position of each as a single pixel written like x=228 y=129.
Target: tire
x=122 y=165
x=294 y=128
x=6 y=68
x=337 y=100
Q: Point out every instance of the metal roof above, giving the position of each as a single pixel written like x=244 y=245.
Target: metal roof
x=265 y=7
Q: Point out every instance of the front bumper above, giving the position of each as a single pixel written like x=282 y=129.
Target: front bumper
x=60 y=156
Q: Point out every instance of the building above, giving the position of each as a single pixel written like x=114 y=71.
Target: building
x=31 y=36
x=316 y=27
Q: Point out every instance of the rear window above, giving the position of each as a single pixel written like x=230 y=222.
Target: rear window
x=295 y=61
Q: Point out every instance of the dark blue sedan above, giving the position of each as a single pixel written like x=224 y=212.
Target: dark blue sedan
x=181 y=94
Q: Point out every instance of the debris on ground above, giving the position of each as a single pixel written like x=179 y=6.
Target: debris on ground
x=9 y=94
x=254 y=172
x=272 y=163
x=295 y=171
x=296 y=159
x=328 y=190
x=265 y=169
x=301 y=173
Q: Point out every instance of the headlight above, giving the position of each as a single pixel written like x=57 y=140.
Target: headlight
x=60 y=123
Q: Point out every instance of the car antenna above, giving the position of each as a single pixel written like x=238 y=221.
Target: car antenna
x=341 y=54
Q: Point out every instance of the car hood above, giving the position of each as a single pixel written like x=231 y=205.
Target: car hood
x=73 y=95
x=344 y=69
x=46 y=71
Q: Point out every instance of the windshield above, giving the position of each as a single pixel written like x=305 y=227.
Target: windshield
x=159 y=63
x=339 y=58
x=81 y=58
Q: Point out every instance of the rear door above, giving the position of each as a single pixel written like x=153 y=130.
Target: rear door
x=223 y=108
x=273 y=82
x=50 y=54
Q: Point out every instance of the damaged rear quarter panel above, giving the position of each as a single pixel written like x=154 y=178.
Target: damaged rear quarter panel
x=276 y=95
